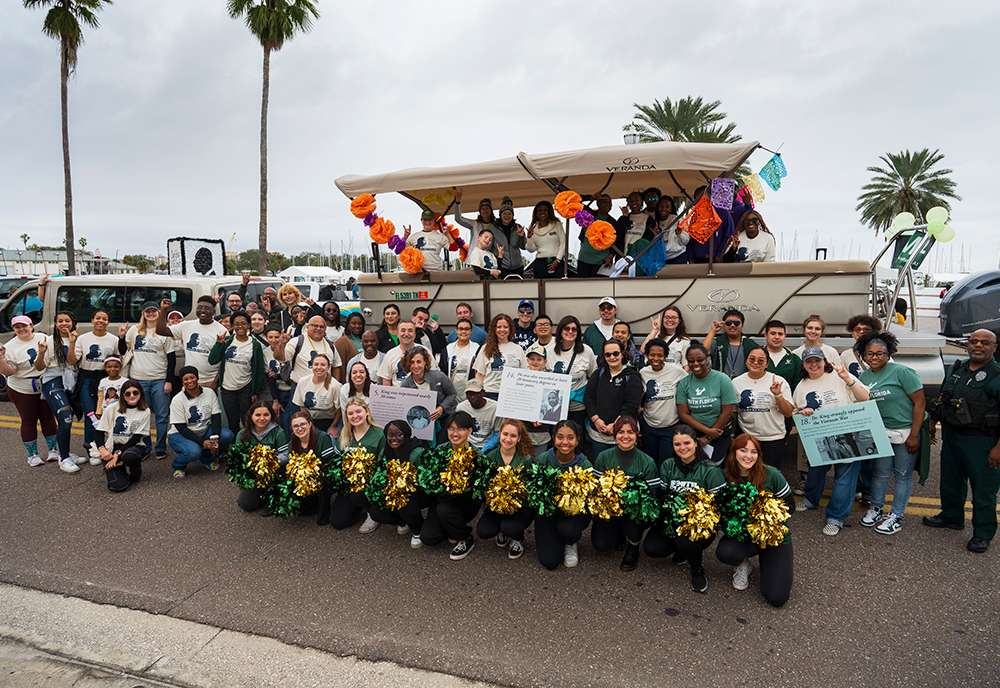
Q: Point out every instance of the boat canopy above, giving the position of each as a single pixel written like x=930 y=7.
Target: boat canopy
x=677 y=169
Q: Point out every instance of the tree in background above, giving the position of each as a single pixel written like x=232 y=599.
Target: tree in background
x=907 y=183
x=272 y=22
x=688 y=120
x=24 y=240
x=62 y=21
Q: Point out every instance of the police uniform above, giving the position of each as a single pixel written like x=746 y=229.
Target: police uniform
x=969 y=411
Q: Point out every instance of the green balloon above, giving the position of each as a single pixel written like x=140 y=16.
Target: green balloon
x=904 y=221
x=934 y=227
x=891 y=232
x=937 y=214
x=946 y=234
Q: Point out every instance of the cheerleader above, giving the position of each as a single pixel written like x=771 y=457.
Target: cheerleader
x=260 y=428
x=515 y=450
x=556 y=536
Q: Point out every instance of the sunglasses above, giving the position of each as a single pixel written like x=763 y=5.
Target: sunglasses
x=733 y=323
x=571 y=328
x=133 y=393
x=525 y=310
x=612 y=354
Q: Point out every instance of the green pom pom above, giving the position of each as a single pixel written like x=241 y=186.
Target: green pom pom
x=432 y=463
x=733 y=502
x=670 y=506
x=376 y=483
x=236 y=466
x=540 y=485
x=280 y=498
x=638 y=502
x=333 y=475
x=481 y=476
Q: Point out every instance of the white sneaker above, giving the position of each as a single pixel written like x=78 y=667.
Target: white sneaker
x=68 y=465
x=890 y=526
x=571 y=557
x=415 y=542
x=53 y=455
x=872 y=518
x=77 y=459
x=35 y=460
x=741 y=576
x=95 y=456
x=368 y=526
x=831 y=529
x=402 y=530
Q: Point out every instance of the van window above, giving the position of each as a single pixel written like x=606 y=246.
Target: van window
x=85 y=300
x=136 y=296
x=26 y=303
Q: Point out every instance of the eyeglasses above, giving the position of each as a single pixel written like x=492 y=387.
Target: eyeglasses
x=605 y=307
x=671 y=317
x=300 y=426
x=612 y=354
x=543 y=324
x=733 y=323
x=876 y=354
x=131 y=393
x=464 y=329
x=394 y=436
x=861 y=329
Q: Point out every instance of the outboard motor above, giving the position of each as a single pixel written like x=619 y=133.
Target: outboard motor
x=972 y=304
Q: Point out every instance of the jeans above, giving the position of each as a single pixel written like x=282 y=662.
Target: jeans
x=657 y=442
x=159 y=404
x=57 y=398
x=89 y=405
x=189 y=452
x=845 y=485
x=601 y=446
x=900 y=465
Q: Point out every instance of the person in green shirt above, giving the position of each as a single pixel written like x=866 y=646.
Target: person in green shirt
x=687 y=469
x=516 y=449
x=899 y=394
x=557 y=536
x=705 y=401
x=305 y=438
x=360 y=430
x=609 y=533
x=400 y=445
x=260 y=428
x=745 y=464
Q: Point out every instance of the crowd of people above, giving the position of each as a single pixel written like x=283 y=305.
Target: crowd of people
x=497 y=240
x=670 y=411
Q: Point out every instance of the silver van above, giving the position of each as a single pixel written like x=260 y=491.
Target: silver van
x=121 y=296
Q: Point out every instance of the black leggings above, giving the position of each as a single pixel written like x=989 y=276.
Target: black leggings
x=554 y=533
x=341 y=513
x=607 y=534
x=449 y=519
x=659 y=545
x=513 y=526
x=130 y=470
x=775 y=566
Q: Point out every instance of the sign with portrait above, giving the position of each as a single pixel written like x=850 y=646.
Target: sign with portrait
x=412 y=405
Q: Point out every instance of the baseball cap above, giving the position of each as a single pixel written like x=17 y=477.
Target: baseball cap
x=150 y=305
x=813 y=352
x=526 y=302
x=20 y=320
x=473 y=386
x=607 y=299
x=536 y=349
x=427 y=215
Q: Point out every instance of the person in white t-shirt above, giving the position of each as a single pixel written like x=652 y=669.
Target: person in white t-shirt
x=196 y=337
x=459 y=355
x=119 y=438
x=152 y=367
x=486 y=425
x=370 y=356
x=92 y=348
x=300 y=351
x=109 y=388
x=752 y=242
x=196 y=432
x=241 y=370
x=659 y=401
x=813 y=329
x=24 y=387
x=764 y=404
x=390 y=371
x=481 y=259
x=319 y=394
x=359 y=384
x=669 y=326
x=497 y=353
x=429 y=240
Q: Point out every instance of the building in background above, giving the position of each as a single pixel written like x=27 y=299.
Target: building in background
x=39 y=262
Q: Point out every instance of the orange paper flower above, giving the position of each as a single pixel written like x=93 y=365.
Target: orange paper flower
x=382 y=231
x=412 y=260
x=601 y=235
x=453 y=230
x=363 y=206
x=568 y=203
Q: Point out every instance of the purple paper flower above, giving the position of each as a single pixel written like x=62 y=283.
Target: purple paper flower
x=584 y=218
x=395 y=241
x=370 y=219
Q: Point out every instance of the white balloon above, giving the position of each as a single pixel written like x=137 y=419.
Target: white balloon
x=937 y=214
x=946 y=234
x=904 y=221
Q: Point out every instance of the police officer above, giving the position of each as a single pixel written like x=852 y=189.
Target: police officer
x=969 y=412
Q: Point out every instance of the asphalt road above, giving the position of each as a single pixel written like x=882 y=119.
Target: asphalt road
x=913 y=609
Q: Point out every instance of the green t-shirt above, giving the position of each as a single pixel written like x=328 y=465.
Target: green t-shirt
x=642 y=466
x=705 y=397
x=704 y=475
x=494 y=457
x=890 y=389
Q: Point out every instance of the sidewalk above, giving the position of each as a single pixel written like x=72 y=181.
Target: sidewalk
x=52 y=641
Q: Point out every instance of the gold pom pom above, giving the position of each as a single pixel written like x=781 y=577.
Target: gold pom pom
x=767 y=520
x=606 y=500
x=700 y=515
x=263 y=461
x=455 y=478
x=400 y=483
x=304 y=472
x=506 y=491
x=357 y=465
x=573 y=488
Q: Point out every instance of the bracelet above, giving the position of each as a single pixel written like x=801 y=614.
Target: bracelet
x=852 y=384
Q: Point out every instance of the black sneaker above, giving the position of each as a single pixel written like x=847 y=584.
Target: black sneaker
x=631 y=558
x=160 y=455
x=516 y=550
x=698 y=581
x=679 y=559
x=501 y=540
x=462 y=549
x=938 y=522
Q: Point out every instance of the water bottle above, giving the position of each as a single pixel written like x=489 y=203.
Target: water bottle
x=93 y=419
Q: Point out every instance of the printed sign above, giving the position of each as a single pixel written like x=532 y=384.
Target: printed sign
x=843 y=434
x=412 y=405
x=530 y=395
x=410 y=295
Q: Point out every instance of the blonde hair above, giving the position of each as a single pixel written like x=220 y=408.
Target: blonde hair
x=348 y=433
x=288 y=289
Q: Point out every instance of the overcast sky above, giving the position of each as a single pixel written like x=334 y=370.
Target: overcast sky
x=165 y=109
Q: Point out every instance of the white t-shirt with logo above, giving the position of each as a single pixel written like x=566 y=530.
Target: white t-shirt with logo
x=309 y=350
x=831 y=354
x=372 y=364
x=757 y=409
x=827 y=391
x=112 y=390
x=510 y=356
x=760 y=249
x=197 y=341
x=430 y=244
x=196 y=413
x=484 y=421
x=273 y=365
x=119 y=427
x=22 y=355
x=321 y=402
x=460 y=362
x=239 y=357
x=391 y=369
x=659 y=391
x=149 y=354
x=584 y=366
x=91 y=350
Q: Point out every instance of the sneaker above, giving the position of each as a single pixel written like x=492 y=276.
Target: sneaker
x=831 y=529
x=857 y=496
x=402 y=530
x=698 y=581
x=415 y=541
x=802 y=506
x=179 y=474
x=369 y=525
x=214 y=466
x=53 y=455
x=678 y=559
x=160 y=455
x=741 y=576
x=516 y=550
x=35 y=460
x=501 y=540
x=95 y=458
x=462 y=549
x=872 y=518
x=890 y=525
x=800 y=489
x=77 y=459
x=68 y=465
x=571 y=557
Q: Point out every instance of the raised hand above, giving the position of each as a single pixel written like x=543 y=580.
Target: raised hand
x=220 y=339
x=122 y=330
x=775 y=385
x=718 y=326
x=165 y=304
x=458 y=195
x=654 y=322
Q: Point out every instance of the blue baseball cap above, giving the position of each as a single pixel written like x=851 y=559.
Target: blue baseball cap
x=527 y=303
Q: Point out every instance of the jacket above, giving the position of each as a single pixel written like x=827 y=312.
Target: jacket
x=257 y=369
x=608 y=397
x=440 y=383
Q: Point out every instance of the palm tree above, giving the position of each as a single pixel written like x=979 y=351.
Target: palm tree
x=62 y=21
x=906 y=184
x=24 y=240
x=273 y=22
x=689 y=119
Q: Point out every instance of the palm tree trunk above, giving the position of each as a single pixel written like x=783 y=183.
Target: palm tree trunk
x=262 y=240
x=64 y=78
